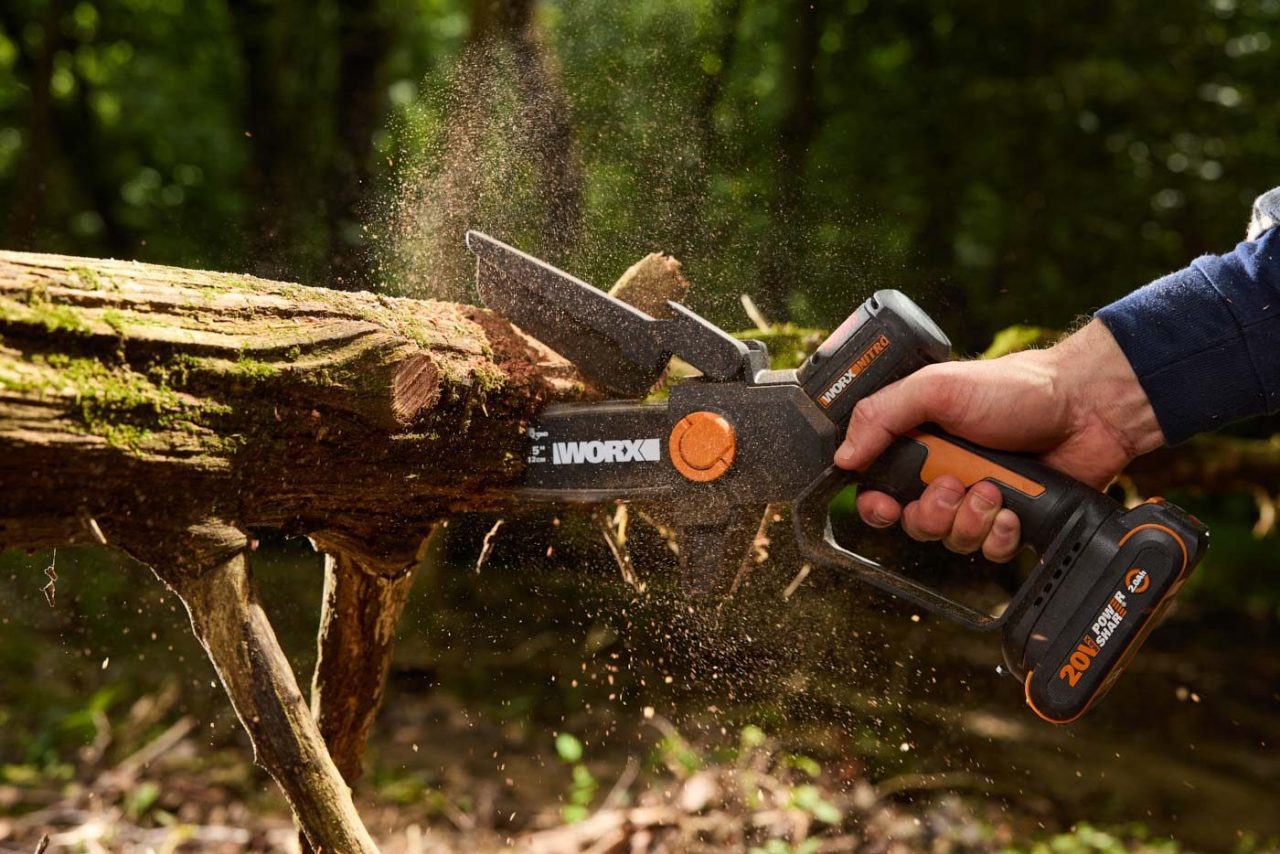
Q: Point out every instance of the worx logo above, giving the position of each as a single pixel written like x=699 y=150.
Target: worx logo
x=608 y=451
x=859 y=365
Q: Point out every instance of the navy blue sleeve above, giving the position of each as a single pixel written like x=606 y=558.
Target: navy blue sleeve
x=1205 y=341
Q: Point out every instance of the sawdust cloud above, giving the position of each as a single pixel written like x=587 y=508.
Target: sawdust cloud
x=496 y=156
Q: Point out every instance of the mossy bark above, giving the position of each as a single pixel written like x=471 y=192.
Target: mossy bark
x=137 y=394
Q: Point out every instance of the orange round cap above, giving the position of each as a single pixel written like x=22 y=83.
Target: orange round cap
x=702 y=446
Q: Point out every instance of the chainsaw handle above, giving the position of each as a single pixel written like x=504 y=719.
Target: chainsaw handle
x=1043 y=498
x=812 y=521
x=1048 y=503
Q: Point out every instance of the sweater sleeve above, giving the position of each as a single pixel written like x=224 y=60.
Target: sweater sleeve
x=1205 y=341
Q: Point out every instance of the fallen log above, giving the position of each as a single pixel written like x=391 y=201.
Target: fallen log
x=170 y=413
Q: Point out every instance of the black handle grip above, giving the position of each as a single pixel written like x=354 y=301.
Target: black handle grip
x=1044 y=499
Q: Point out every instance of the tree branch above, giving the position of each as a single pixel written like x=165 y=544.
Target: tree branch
x=213 y=581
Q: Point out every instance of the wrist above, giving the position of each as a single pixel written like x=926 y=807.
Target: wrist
x=1102 y=389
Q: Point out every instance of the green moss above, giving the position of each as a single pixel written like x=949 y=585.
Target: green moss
x=233 y=282
x=117 y=403
x=120 y=404
x=488 y=378
x=89 y=278
x=21 y=386
x=174 y=370
x=293 y=354
x=251 y=368
x=788 y=345
x=1016 y=338
x=38 y=310
x=115 y=320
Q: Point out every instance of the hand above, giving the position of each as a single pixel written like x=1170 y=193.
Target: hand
x=1078 y=405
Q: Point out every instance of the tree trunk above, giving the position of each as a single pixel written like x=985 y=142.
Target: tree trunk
x=801 y=122
x=168 y=411
x=365 y=37
x=508 y=161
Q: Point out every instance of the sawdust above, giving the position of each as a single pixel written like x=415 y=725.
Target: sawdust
x=502 y=160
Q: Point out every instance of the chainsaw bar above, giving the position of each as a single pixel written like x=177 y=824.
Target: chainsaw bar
x=618 y=347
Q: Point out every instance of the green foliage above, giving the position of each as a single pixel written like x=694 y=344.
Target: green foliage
x=678 y=755
x=1004 y=167
x=1016 y=338
x=141 y=798
x=583 y=784
x=568 y=748
x=1084 y=838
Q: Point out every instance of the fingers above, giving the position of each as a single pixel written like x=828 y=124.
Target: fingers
x=965 y=522
x=974 y=518
x=1005 y=538
x=878 y=510
x=930 y=517
x=879 y=418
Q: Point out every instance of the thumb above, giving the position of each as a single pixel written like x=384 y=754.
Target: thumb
x=880 y=418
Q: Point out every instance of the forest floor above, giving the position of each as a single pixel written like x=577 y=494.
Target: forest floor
x=173 y=793
x=549 y=709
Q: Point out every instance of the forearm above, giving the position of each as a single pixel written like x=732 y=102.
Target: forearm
x=1095 y=375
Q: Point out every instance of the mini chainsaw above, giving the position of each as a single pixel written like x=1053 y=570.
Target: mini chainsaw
x=741 y=436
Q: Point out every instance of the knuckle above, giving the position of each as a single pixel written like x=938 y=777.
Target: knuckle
x=965 y=538
x=869 y=410
x=1000 y=548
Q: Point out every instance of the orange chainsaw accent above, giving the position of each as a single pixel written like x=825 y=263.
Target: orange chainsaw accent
x=948 y=458
x=702 y=446
x=1026 y=690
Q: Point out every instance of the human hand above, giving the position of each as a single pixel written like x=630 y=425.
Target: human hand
x=1077 y=405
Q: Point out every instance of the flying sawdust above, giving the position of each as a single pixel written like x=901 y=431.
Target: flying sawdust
x=502 y=161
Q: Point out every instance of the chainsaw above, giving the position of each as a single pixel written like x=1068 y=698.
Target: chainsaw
x=741 y=436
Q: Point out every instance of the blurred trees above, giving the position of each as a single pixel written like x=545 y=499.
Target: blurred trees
x=1002 y=164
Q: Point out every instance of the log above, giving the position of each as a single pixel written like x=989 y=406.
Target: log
x=169 y=412
x=135 y=395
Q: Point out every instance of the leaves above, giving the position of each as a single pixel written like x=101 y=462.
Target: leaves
x=568 y=747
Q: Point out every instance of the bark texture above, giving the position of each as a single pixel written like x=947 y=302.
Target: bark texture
x=361 y=609
x=139 y=395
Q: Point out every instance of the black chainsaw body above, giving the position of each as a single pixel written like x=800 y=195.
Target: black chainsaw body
x=741 y=436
